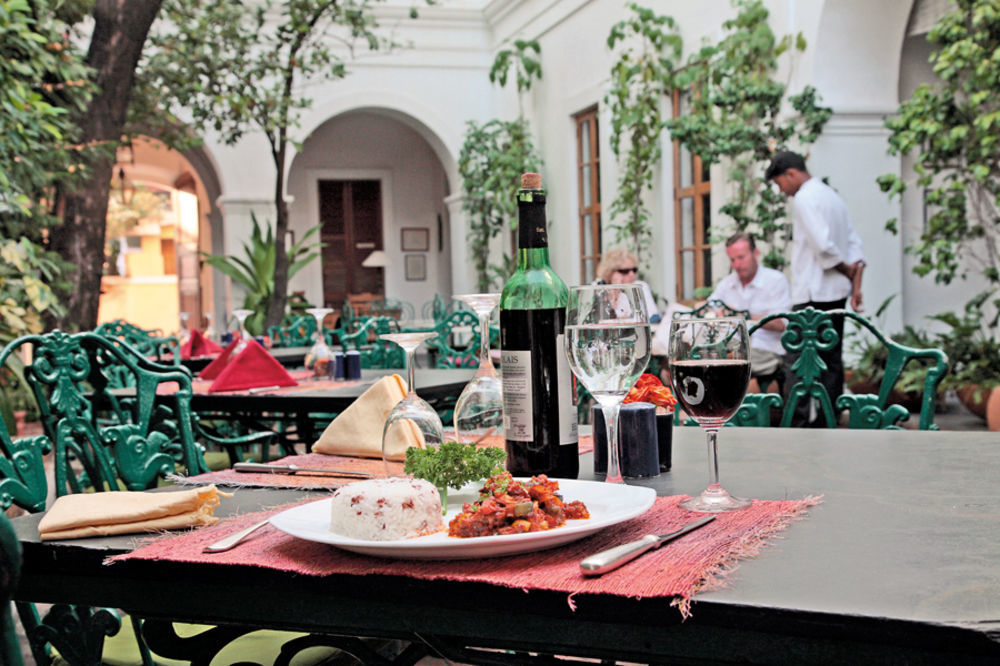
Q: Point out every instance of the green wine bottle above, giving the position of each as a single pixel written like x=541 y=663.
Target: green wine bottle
x=539 y=404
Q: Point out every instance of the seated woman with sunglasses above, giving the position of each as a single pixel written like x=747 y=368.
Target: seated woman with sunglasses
x=619 y=266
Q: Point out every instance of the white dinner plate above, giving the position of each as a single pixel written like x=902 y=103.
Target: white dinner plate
x=608 y=503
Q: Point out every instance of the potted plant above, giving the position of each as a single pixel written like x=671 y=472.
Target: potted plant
x=973 y=350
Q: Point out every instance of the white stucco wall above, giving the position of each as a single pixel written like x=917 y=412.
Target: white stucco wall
x=421 y=98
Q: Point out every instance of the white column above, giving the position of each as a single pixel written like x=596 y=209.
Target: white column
x=237 y=226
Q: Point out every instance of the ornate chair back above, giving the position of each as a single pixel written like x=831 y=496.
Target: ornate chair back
x=294 y=331
x=151 y=344
x=453 y=348
x=149 y=436
x=810 y=331
x=712 y=306
x=375 y=352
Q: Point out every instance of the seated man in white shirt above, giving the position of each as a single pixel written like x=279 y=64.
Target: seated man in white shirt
x=760 y=291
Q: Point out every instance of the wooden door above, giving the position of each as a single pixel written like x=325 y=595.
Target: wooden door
x=351 y=214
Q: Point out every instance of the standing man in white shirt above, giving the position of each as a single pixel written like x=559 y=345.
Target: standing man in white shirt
x=827 y=258
x=760 y=291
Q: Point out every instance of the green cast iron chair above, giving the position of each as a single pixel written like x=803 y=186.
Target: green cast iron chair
x=152 y=344
x=10 y=573
x=810 y=331
x=711 y=307
x=66 y=376
x=451 y=346
x=375 y=352
x=294 y=331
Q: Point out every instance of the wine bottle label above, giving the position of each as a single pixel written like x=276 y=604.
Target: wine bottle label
x=518 y=423
x=567 y=398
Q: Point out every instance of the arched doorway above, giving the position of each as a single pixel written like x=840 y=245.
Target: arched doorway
x=159 y=219
x=372 y=182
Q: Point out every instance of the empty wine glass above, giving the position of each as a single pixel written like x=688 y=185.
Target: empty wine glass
x=241 y=316
x=319 y=356
x=210 y=333
x=608 y=343
x=479 y=409
x=710 y=371
x=184 y=334
x=412 y=411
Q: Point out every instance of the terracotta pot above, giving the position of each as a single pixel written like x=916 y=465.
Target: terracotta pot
x=974 y=398
x=993 y=410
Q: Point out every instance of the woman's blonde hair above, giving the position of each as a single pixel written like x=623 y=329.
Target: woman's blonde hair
x=612 y=260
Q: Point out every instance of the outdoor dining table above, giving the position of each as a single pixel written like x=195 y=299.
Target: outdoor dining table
x=898 y=563
x=290 y=357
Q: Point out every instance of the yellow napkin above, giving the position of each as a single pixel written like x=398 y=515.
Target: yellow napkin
x=357 y=431
x=123 y=512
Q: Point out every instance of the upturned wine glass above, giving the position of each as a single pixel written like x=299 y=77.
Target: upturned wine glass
x=209 y=331
x=412 y=411
x=608 y=343
x=184 y=334
x=710 y=371
x=241 y=316
x=319 y=356
x=479 y=409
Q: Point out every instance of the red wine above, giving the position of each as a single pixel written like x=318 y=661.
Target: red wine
x=710 y=389
x=539 y=406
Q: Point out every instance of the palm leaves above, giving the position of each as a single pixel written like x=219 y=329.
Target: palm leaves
x=255 y=271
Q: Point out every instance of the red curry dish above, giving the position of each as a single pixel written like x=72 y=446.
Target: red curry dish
x=506 y=506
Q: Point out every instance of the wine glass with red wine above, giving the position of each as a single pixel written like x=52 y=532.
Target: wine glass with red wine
x=710 y=371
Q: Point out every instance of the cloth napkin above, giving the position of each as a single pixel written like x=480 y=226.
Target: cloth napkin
x=124 y=512
x=198 y=345
x=357 y=431
x=251 y=368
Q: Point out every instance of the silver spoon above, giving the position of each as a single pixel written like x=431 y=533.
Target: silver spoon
x=233 y=539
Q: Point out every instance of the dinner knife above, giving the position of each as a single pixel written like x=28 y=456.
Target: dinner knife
x=261 y=468
x=612 y=558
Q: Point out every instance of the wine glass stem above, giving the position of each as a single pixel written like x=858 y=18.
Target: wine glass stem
x=410 y=371
x=712 y=435
x=611 y=425
x=484 y=339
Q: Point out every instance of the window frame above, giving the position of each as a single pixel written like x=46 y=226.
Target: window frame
x=594 y=209
x=699 y=189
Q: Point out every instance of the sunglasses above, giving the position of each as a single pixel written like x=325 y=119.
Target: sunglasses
x=626 y=271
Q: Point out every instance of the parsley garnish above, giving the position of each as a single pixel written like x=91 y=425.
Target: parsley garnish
x=454 y=464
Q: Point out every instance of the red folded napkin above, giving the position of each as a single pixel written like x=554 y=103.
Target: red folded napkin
x=198 y=345
x=213 y=369
x=251 y=368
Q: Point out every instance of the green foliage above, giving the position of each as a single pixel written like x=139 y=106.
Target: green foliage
x=972 y=343
x=738 y=117
x=453 y=464
x=641 y=78
x=235 y=68
x=255 y=271
x=953 y=128
x=526 y=66
x=492 y=159
x=26 y=273
x=870 y=356
x=43 y=80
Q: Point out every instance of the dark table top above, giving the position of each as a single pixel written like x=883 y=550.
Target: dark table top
x=290 y=357
x=900 y=563
x=431 y=384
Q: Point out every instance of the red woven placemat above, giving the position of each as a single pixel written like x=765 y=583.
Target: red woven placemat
x=699 y=561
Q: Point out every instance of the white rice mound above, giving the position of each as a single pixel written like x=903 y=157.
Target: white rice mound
x=386 y=509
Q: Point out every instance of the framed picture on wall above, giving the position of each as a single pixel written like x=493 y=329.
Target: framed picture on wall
x=415 y=239
x=416 y=267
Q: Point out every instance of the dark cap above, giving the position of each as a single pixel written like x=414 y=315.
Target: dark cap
x=782 y=162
